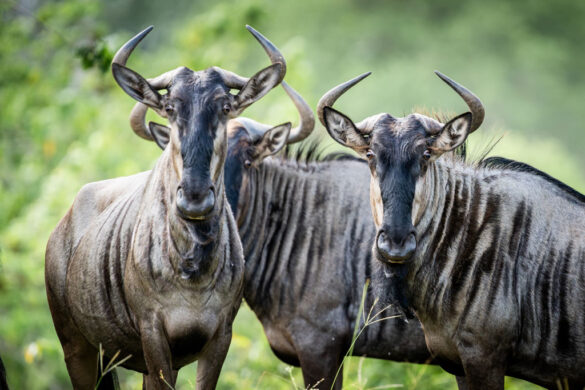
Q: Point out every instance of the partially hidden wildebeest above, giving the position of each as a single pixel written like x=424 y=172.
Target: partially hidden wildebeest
x=491 y=258
x=151 y=265
x=306 y=243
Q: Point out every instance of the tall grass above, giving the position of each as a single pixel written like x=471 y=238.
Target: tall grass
x=110 y=367
x=357 y=331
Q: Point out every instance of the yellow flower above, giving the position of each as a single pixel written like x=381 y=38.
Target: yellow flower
x=49 y=148
x=241 y=341
x=31 y=353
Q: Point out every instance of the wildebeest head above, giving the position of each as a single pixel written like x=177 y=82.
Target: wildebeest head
x=198 y=105
x=250 y=142
x=399 y=151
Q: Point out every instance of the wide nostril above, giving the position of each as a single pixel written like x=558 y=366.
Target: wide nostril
x=195 y=206
x=210 y=198
x=410 y=237
x=211 y=192
x=389 y=251
x=382 y=243
x=409 y=244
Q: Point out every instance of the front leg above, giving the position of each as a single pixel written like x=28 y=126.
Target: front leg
x=146 y=380
x=157 y=355
x=212 y=358
x=321 y=355
x=481 y=375
x=484 y=369
x=320 y=369
x=484 y=362
x=461 y=382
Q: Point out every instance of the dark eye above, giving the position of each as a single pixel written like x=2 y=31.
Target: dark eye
x=226 y=108
x=247 y=163
x=427 y=154
x=169 y=109
x=369 y=154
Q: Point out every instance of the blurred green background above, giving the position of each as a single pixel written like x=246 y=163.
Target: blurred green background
x=63 y=122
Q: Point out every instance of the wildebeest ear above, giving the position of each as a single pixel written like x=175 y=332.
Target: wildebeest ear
x=452 y=134
x=272 y=141
x=257 y=86
x=342 y=129
x=136 y=86
x=160 y=134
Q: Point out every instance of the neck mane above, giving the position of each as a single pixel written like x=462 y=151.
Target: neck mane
x=469 y=214
x=277 y=202
x=192 y=248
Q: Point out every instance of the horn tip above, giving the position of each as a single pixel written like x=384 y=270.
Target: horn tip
x=266 y=44
x=363 y=76
x=252 y=30
x=359 y=78
x=124 y=52
x=441 y=76
x=144 y=32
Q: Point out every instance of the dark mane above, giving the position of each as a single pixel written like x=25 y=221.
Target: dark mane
x=507 y=164
x=314 y=151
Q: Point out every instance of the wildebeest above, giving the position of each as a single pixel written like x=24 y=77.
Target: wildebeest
x=489 y=257
x=151 y=265
x=306 y=244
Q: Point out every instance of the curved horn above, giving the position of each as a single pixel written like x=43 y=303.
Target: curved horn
x=472 y=101
x=333 y=94
x=273 y=53
x=235 y=81
x=254 y=128
x=138 y=121
x=138 y=113
x=231 y=79
x=124 y=52
x=367 y=125
x=163 y=81
x=307 y=118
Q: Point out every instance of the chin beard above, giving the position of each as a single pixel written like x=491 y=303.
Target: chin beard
x=389 y=285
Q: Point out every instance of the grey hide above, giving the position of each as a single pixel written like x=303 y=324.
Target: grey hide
x=491 y=258
x=151 y=265
x=306 y=244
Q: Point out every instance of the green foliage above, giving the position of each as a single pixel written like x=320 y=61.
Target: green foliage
x=41 y=92
x=95 y=54
x=63 y=122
